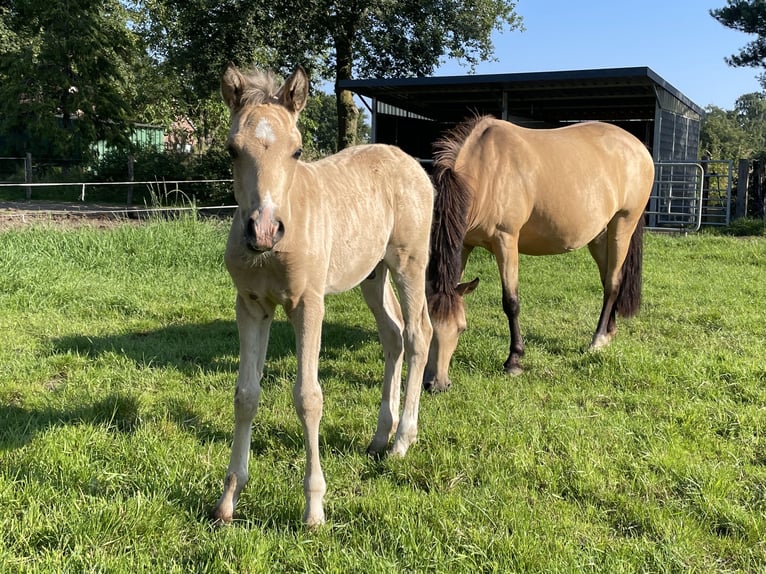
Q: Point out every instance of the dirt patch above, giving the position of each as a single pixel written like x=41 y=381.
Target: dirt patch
x=16 y=214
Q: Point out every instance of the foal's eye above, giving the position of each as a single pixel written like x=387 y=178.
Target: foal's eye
x=297 y=153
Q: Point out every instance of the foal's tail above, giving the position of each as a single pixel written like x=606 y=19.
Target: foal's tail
x=629 y=298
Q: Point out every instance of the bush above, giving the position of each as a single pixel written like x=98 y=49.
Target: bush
x=151 y=165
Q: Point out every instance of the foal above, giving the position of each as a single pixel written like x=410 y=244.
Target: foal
x=304 y=230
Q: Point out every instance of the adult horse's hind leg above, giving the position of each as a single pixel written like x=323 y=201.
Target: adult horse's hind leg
x=409 y=273
x=606 y=327
x=380 y=298
x=253 y=322
x=506 y=253
x=612 y=250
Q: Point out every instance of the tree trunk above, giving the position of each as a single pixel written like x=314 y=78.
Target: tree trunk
x=348 y=117
x=348 y=114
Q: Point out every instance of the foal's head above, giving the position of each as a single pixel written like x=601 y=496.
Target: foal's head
x=265 y=145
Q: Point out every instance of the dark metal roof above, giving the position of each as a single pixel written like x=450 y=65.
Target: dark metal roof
x=609 y=94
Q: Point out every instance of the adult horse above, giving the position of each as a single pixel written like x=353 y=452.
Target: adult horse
x=304 y=230
x=514 y=190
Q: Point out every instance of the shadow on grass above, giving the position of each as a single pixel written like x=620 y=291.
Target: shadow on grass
x=209 y=347
x=118 y=411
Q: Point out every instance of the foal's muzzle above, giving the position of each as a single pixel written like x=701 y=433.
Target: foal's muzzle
x=263 y=230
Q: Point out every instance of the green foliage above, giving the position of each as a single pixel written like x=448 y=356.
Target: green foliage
x=735 y=134
x=745 y=227
x=319 y=126
x=748 y=16
x=118 y=359
x=64 y=76
x=160 y=166
x=332 y=40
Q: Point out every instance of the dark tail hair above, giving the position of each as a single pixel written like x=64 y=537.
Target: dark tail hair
x=629 y=298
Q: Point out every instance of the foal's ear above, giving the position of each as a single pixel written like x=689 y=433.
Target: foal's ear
x=465 y=288
x=295 y=92
x=232 y=86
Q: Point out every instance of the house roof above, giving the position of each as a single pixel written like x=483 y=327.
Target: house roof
x=609 y=94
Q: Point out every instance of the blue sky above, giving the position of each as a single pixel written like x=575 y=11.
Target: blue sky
x=678 y=39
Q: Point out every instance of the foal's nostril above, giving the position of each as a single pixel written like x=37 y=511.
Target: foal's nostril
x=280 y=231
x=250 y=229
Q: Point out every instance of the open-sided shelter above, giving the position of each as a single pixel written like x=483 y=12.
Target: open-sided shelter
x=413 y=112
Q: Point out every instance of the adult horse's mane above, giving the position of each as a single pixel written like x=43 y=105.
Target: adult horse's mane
x=451 y=203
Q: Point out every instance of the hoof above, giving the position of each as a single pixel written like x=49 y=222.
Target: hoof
x=397 y=451
x=313 y=520
x=512 y=367
x=377 y=453
x=599 y=342
x=402 y=445
x=221 y=516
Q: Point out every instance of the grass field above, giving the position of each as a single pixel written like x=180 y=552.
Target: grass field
x=117 y=369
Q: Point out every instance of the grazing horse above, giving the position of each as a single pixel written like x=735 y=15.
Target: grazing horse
x=304 y=230
x=515 y=190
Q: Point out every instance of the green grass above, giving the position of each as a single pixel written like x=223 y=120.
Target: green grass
x=117 y=367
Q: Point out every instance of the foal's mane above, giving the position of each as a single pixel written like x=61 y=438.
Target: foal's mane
x=260 y=87
x=451 y=204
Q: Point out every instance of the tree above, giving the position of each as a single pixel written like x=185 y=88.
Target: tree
x=65 y=75
x=332 y=39
x=747 y=16
x=319 y=124
x=738 y=133
x=388 y=38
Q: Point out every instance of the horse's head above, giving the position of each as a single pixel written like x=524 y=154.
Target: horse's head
x=265 y=146
x=447 y=311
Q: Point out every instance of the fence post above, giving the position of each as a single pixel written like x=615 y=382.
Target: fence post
x=743 y=174
x=28 y=174
x=758 y=181
x=131 y=162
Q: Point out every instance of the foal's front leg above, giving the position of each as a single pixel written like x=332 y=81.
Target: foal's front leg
x=253 y=322
x=307 y=318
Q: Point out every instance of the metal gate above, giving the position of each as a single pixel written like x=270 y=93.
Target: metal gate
x=688 y=195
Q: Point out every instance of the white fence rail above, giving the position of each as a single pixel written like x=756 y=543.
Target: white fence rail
x=177 y=190
x=686 y=195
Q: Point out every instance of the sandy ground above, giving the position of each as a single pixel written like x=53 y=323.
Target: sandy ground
x=22 y=213
x=14 y=214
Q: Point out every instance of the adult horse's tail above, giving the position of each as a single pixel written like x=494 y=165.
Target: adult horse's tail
x=629 y=297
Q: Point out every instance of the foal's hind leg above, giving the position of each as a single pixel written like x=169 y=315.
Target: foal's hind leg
x=408 y=270
x=380 y=297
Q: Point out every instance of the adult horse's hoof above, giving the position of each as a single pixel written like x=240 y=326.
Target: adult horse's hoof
x=512 y=367
x=376 y=452
x=599 y=342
